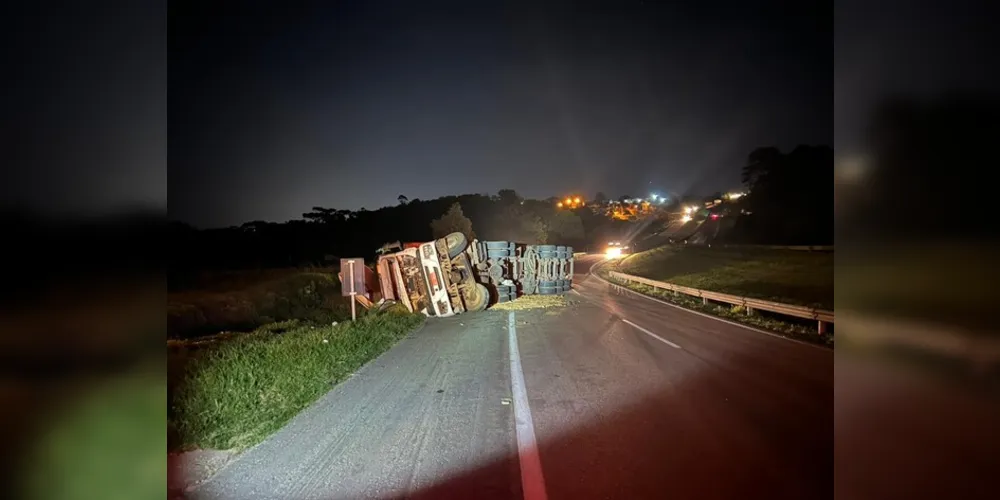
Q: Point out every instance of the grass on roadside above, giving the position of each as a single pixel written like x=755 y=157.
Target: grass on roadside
x=235 y=394
x=245 y=302
x=786 y=276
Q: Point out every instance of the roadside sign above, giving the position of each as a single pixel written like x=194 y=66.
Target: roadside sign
x=352 y=273
x=352 y=277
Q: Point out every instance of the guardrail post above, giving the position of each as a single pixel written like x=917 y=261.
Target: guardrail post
x=821 y=328
x=704 y=301
x=749 y=311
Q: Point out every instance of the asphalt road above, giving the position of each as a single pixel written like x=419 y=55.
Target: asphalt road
x=611 y=396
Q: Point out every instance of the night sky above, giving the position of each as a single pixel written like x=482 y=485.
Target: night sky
x=273 y=111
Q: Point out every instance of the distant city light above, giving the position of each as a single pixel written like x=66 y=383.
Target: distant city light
x=572 y=202
x=686 y=218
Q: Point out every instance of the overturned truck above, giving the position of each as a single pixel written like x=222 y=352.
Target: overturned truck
x=451 y=275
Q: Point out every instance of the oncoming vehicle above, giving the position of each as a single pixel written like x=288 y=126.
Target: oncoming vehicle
x=616 y=249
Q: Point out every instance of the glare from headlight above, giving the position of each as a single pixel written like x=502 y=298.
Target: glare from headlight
x=613 y=252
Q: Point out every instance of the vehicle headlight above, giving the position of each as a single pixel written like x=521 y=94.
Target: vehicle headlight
x=613 y=252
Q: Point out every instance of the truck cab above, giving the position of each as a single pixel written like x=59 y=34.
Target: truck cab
x=434 y=278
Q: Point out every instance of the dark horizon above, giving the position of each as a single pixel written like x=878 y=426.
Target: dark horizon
x=274 y=112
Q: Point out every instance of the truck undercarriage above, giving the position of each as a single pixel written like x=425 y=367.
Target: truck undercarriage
x=450 y=275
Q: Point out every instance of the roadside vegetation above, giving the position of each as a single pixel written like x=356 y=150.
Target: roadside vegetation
x=234 y=392
x=210 y=303
x=786 y=276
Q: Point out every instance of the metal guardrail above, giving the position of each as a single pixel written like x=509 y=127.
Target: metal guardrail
x=822 y=318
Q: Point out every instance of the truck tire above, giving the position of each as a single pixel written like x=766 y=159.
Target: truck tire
x=529 y=286
x=479 y=300
x=456 y=243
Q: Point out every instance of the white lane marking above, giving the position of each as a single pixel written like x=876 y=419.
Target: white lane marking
x=699 y=313
x=651 y=334
x=532 y=480
x=576 y=292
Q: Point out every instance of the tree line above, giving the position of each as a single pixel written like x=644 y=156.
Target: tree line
x=326 y=234
x=789 y=197
x=789 y=201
